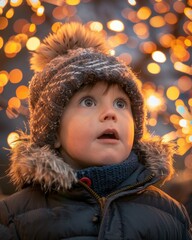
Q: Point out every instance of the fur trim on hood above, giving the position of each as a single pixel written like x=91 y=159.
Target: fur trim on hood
x=31 y=164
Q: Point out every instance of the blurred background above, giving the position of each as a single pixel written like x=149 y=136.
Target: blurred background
x=154 y=37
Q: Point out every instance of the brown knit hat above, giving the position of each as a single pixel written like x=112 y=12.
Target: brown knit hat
x=66 y=61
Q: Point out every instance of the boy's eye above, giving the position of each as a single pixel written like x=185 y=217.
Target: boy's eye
x=120 y=103
x=87 y=102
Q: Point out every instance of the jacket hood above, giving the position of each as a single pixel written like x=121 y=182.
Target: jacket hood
x=34 y=165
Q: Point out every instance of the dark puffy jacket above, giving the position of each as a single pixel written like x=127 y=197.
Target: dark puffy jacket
x=48 y=209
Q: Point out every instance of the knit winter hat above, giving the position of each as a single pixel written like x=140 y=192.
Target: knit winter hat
x=66 y=61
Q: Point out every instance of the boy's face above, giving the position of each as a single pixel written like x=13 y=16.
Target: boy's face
x=96 y=127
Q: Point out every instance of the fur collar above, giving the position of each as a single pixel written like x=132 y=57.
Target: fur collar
x=30 y=164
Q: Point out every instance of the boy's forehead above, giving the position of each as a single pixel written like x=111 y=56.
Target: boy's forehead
x=102 y=87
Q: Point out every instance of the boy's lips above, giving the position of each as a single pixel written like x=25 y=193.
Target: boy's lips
x=109 y=133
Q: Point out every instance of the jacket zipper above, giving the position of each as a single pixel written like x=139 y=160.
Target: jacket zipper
x=102 y=200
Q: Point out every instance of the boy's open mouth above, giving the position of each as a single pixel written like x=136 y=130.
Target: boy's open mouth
x=109 y=134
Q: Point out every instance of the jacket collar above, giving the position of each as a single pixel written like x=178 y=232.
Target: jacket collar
x=33 y=165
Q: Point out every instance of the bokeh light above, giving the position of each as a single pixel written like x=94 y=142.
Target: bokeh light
x=152 y=37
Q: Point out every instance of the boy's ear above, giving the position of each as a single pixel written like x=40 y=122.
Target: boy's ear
x=57 y=143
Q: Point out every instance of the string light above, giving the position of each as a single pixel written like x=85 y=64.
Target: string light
x=158 y=16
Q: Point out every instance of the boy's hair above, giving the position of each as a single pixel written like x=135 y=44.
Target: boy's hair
x=66 y=61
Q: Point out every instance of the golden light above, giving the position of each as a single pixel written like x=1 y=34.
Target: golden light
x=190 y=102
x=173 y=93
x=12 y=139
x=159 y=56
x=190 y=138
x=153 y=68
x=166 y=40
x=188 y=12
x=112 y=52
x=170 y=136
x=22 y=92
x=179 y=6
x=118 y=39
x=56 y=26
x=14 y=102
x=185 y=83
x=32 y=27
x=179 y=102
x=130 y=14
x=72 y=2
x=1 y=90
x=144 y=13
x=181 y=67
x=40 y=11
x=15 y=3
x=157 y=21
x=3 y=23
x=15 y=75
x=187 y=27
x=96 y=26
x=126 y=57
x=12 y=47
x=175 y=119
x=153 y=101
x=161 y=7
x=3 y=3
x=35 y=3
x=3 y=78
x=60 y=12
x=132 y=2
x=152 y=121
x=188 y=42
x=171 y=18
x=33 y=43
x=10 y=13
x=1 y=42
x=180 y=52
x=141 y=29
x=148 y=47
x=183 y=123
x=115 y=25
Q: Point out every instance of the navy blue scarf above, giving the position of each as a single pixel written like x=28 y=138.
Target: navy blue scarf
x=107 y=178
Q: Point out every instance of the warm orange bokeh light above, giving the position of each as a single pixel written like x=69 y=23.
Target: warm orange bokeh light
x=22 y=92
x=11 y=139
x=33 y=43
x=3 y=23
x=15 y=75
x=115 y=25
x=144 y=13
x=141 y=29
x=185 y=83
x=157 y=21
x=153 y=68
x=3 y=78
x=96 y=26
x=14 y=102
x=173 y=93
x=148 y=47
x=10 y=13
x=72 y=2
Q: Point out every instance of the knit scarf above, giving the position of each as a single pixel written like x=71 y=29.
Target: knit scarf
x=107 y=178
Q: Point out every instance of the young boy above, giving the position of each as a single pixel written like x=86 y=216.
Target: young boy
x=85 y=172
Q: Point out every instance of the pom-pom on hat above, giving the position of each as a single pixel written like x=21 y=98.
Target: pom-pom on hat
x=66 y=61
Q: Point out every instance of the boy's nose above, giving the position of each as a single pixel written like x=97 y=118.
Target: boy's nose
x=108 y=115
